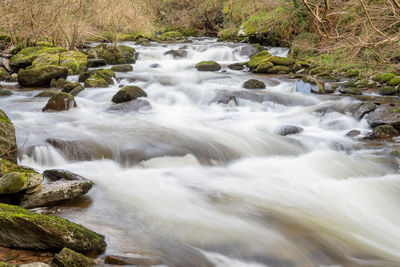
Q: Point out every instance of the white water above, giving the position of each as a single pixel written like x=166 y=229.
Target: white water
x=198 y=183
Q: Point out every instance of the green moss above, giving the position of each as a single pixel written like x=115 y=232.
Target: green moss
x=258 y=58
x=394 y=81
x=27 y=55
x=208 y=66
x=278 y=70
x=395 y=110
x=384 y=77
x=172 y=35
x=7 y=166
x=228 y=34
x=96 y=81
x=263 y=67
x=388 y=90
x=121 y=55
x=70 y=258
x=47 y=93
x=281 y=60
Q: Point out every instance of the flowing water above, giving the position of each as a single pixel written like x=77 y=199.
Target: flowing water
x=198 y=183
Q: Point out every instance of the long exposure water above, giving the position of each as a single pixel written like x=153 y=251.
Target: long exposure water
x=200 y=183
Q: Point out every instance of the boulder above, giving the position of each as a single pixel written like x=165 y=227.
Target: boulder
x=278 y=70
x=383 y=132
x=176 y=53
x=5 y=92
x=105 y=74
x=20 y=228
x=26 y=56
x=77 y=90
x=128 y=93
x=350 y=91
x=98 y=83
x=69 y=86
x=96 y=62
x=121 y=55
x=289 y=130
x=16 y=181
x=263 y=67
x=237 y=66
x=387 y=90
x=8 y=144
x=59 y=83
x=41 y=76
x=254 y=84
x=134 y=105
x=257 y=59
x=79 y=150
x=208 y=66
x=70 y=258
x=171 y=36
x=363 y=109
x=143 y=42
x=47 y=93
x=122 y=68
x=60 y=102
x=285 y=61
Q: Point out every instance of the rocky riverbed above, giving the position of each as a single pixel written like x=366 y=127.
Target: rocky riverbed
x=195 y=153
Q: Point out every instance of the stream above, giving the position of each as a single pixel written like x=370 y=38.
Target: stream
x=200 y=183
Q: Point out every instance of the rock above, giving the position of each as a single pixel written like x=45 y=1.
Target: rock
x=139 y=260
x=208 y=66
x=350 y=91
x=35 y=264
x=99 y=83
x=281 y=60
x=353 y=133
x=388 y=90
x=77 y=90
x=171 y=36
x=384 y=77
x=258 y=59
x=56 y=175
x=154 y=66
x=104 y=74
x=76 y=62
x=26 y=56
x=122 y=68
x=5 y=92
x=278 y=70
x=69 y=86
x=59 y=83
x=128 y=93
x=70 y=258
x=134 y=105
x=47 y=93
x=263 y=67
x=143 y=42
x=383 y=132
x=121 y=55
x=20 y=228
x=254 y=84
x=41 y=76
x=78 y=150
x=8 y=144
x=96 y=62
x=363 y=109
x=60 y=102
x=176 y=53
x=14 y=181
x=384 y=116
x=224 y=99
x=289 y=130
x=237 y=66
x=394 y=82
x=310 y=84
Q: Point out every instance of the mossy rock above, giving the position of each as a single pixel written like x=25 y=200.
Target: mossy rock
x=47 y=93
x=4 y=75
x=41 y=76
x=122 y=68
x=208 y=66
x=229 y=34
x=254 y=84
x=105 y=74
x=350 y=91
x=257 y=59
x=128 y=93
x=388 y=90
x=59 y=83
x=5 y=92
x=384 y=77
x=285 y=61
x=121 y=55
x=321 y=71
x=26 y=56
x=96 y=83
x=70 y=258
x=279 y=70
x=8 y=144
x=77 y=90
x=20 y=228
x=263 y=67
x=143 y=42
x=394 y=82
x=68 y=87
x=60 y=102
x=383 y=132
x=76 y=62
x=171 y=36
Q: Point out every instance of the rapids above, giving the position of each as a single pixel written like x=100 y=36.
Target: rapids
x=204 y=184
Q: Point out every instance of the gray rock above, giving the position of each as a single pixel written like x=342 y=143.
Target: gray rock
x=254 y=84
x=237 y=66
x=353 y=133
x=77 y=150
x=128 y=93
x=363 y=109
x=176 y=53
x=289 y=130
x=134 y=105
x=384 y=116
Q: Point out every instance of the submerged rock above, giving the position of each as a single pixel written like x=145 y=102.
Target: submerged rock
x=176 y=53
x=47 y=93
x=134 y=105
x=353 y=133
x=363 y=109
x=41 y=76
x=20 y=228
x=8 y=144
x=254 y=84
x=128 y=93
x=78 y=150
x=208 y=66
x=122 y=68
x=64 y=186
x=237 y=66
x=70 y=258
x=60 y=102
x=289 y=130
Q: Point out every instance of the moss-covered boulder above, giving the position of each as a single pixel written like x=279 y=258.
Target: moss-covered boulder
x=70 y=258
x=171 y=36
x=384 y=77
x=76 y=62
x=96 y=62
x=258 y=59
x=254 y=84
x=105 y=74
x=284 y=61
x=4 y=75
x=122 y=68
x=60 y=102
x=394 y=82
x=143 y=42
x=383 y=132
x=128 y=93
x=208 y=66
x=121 y=55
x=47 y=93
x=26 y=56
x=41 y=76
x=263 y=67
x=8 y=144
x=96 y=83
x=387 y=90
x=77 y=90
x=20 y=228
x=279 y=70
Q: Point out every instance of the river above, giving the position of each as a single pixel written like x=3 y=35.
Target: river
x=199 y=183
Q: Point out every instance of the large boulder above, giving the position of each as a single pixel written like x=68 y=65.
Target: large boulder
x=47 y=93
x=97 y=78
x=128 y=93
x=26 y=56
x=60 y=102
x=208 y=66
x=64 y=186
x=122 y=68
x=8 y=144
x=41 y=76
x=257 y=59
x=20 y=228
x=123 y=54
